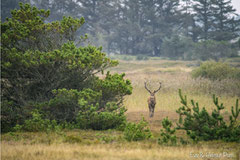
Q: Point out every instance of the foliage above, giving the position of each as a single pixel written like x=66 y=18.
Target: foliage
x=113 y=88
x=180 y=47
x=26 y=30
x=66 y=104
x=42 y=67
x=211 y=49
x=91 y=117
x=168 y=136
x=105 y=138
x=177 y=47
x=137 y=132
x=82 y=108
x=37 y=124
x=216 y=71
x=201 y=125
x=8 y=115
x=139 y=26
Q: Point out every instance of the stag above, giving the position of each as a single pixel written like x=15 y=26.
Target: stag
x=152 y=99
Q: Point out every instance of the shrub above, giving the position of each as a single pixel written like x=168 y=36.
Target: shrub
x=200 y=125
x=216 y=71
x=66 y=104
x=108 y=118
x=137 y=132
x=168 y=136
x=37 y=123
x=113 y=88
x=86 y=109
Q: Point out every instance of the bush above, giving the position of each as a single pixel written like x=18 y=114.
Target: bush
x=37 y=123
x=137 y=132
x=216 y=71
x=168 y=136
x=85 y=109
x=66 y=104
x=91 y=117
x=113 y=88
x=200 y=125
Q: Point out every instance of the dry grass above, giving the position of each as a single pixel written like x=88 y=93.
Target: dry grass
x=173 y=75
x=116 y=151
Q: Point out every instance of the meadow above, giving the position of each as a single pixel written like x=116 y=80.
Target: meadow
x=110 y=144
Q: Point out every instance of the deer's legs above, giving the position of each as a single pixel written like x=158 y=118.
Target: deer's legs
x=151 y=111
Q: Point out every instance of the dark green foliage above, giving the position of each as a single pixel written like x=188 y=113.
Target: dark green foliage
x=7 y=6
x=202 y=125
x=8 y=115
x=66 y=104
x=168 y=136
x=113 y=88
x=27 y=30
x=137 y=132
x=91 y=117
x=216 y=71
x=82 y=108
x=37 y=124
x=42 y=68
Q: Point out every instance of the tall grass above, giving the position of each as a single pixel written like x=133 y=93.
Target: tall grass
x=199 y=89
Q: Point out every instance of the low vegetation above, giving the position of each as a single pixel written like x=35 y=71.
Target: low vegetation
x=168 y=136
x=137 y=132
x=216 y=71
x=199 y=124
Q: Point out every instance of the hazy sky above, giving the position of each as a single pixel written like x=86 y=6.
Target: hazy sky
x=236 y=5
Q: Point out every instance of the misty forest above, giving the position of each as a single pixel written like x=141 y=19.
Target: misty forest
x=120 y=79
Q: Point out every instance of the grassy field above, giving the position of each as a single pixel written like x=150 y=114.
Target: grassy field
x=110 y=144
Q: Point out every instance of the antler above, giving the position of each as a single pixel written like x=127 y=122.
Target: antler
x=158 y=88
x=145 y=83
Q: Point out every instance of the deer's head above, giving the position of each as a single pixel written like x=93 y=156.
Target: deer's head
x=155 y=91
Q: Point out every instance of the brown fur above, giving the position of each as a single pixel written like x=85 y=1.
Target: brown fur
x=151 y=100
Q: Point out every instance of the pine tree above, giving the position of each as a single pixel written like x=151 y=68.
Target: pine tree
x=203 y=17
x=225 y=26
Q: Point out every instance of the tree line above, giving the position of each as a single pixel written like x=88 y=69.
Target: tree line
x=187 y=29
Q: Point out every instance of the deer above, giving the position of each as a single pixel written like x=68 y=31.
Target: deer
x=152 y=99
